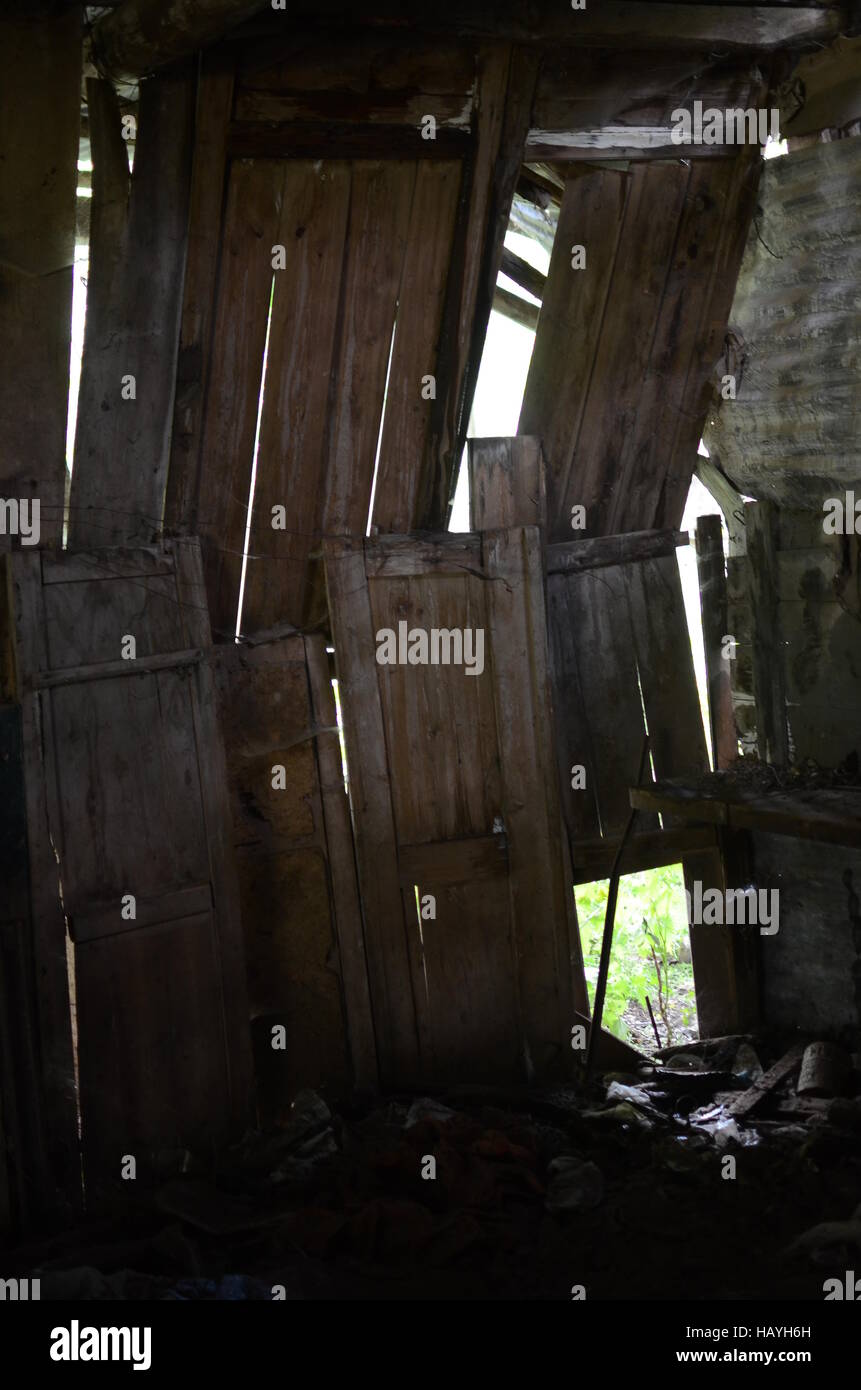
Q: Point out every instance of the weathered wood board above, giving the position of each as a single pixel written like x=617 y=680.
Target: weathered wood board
x=454 y=798
x=40 y=79
x=371 y=323
x=627 y=338
x=128 y=368
x=130 y=846
x=301 y=917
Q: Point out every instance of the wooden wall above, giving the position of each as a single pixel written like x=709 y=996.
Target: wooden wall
x=300 y=908
x=392 y=242
x=40 y=65
x=625 y=349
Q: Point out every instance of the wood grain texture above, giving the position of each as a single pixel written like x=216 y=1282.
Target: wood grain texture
x=768 y=654
x=205 y=230
x=236 y=372
x=122 y=444
x=293 y=455
x=666 y=668
x=450 y=820
x=711 y=570
x=142 y=755
x=342 y=868
x=550 y=977
x=569 y=328
x=40 y=77
x=288 y=891
x=507 y=483
x=52 y=1024
x=388 y=953
x=417 y=345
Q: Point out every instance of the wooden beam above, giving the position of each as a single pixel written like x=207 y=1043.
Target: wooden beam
x=608 y=24
x=713 y=604
x=40 y=77
x=769 y=677
x=142 y=35
x=522 y=273
x=597 y=552
x=509 y=304
x=130 y=349
x=593 y=859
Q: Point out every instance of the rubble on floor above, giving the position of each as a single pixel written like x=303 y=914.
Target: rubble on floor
x=624 y=1186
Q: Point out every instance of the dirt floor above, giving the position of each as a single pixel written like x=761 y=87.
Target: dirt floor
x=619 y=1188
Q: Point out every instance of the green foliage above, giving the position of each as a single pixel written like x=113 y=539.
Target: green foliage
x=651 y=924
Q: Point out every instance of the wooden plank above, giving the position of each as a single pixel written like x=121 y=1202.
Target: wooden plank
x=665 y=662
x=122 y=441
x=574 y=746
x=506 y=483
x=286 y=874
x=597 y=552
x=417 y=345
x=667 y=423
x=742 y=1105
x=206 y=220
x=713 y=606
x=354 y=62
x=378 y=108
x=110 y=670
x=139 y=35
x=446 y=862
x=833 y=817
x=610 y=740
x=733 y=186
x=550 y=974
x=191 y=595
x=502 y=176
x=382 y=197
x=620 y=366
x=342 y=868
x=370 y=799
x=514 y=307
x=40 y=76
x=768 y=668
x=612 y=23
x=343 y=140
x=393 y=557
x=569 y=327
x=24 y=1166
x=99 y=920
x=52 y=1024
x=156 y=828
x=236 y=370
x=593 y=859
x=293 y=454
x=522 y=273
x=505 y=81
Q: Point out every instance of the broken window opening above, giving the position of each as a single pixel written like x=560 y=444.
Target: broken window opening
x=650 y=962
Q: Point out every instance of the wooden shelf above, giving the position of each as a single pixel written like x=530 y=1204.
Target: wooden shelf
x=831 y=815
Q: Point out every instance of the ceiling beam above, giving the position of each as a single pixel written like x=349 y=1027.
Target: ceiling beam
x=629 y=24
x=142 y=35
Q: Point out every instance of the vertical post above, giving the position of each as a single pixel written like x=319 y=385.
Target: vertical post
x=713 y=606
x=768 y=672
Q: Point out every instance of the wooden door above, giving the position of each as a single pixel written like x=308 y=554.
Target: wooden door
x=129 y=828
x=454 y=799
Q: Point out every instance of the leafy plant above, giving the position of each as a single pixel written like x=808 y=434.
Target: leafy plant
x=650 y=929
